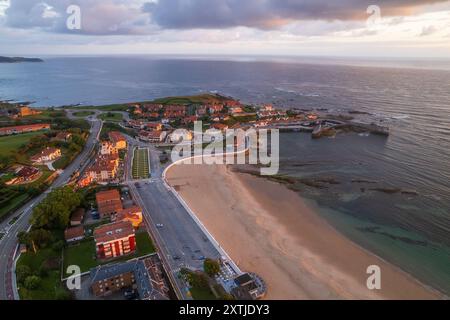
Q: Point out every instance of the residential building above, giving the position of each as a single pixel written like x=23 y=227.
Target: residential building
x=118 y=140
x=180 y=135
x=216 y=108
x=145 y=276
x=46 y=155
x=27 y=111
x=63 y=136
x=154 y=126
x=108 y=202
x=114 y=240
x=152 y=136
x=132 y=214
x=77 y=217
x=74 y=234
x=25 y=174
x=107 y=147
x=23 y=128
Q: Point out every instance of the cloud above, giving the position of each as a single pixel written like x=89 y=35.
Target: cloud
x=429 y=30
x=267 y=14
x=102 y=17
x=140 y=17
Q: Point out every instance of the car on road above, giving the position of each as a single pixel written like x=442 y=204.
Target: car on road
x=130 y=294
x=176 y=258
x=159 y=225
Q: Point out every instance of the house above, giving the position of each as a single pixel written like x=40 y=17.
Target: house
x=118 y=140
x=246 y=288
x=132 y=214
x=74 y=234
x=152 y=136
x=107 y=147
x=27 y=111
x=136 y=124
x=25 y=174
x=46 y=155
x=154 y=126
x=201 y=111
x=114 y=240
x=77 y=217
x=219 y=126
x=63 y=136
x=235 y=110
x=24 y=128
x=104 y=169
x=108 y=202
x=145 y=276
x=190 y=119
x=216 y=108
x=180 y=135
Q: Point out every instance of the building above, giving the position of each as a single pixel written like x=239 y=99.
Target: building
x=27 y=111
x=108 y=202
x=132 y=215
x=103 y=170
x=107 y=148
x=180 y=135
x=248 y=286
x=219 y=126
x=216 y=108
x=152 y=136
x=74 y=234
x=46 y=155
x=118 y=140
x=114 y=240
x=145 y=276
x=235 y=110
x=25 y=174
x=77 y=217
x=154 y=126
x=63 y=136
x=24 y=128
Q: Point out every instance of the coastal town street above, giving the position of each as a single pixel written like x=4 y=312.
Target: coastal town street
x=8 y=243
x=181 y=241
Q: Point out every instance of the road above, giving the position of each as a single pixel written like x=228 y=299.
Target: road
x=181 y=241
x=8 y=243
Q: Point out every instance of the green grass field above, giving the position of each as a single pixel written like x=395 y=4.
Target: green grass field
x=197 y=99
x=83 y=113
x=140 y=168
x=10 y=144
x=83 y=253
x=111 y=116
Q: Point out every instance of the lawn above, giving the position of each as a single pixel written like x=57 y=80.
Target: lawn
x=111 y=116
x=202 y=294
x=140 y=168
x=10 y=144
x=83 y=253
x=83 y=113
x=197 y=99
x=51 y=284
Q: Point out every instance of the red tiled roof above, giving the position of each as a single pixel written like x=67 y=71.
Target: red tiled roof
x=75 y=232
x=113 y=231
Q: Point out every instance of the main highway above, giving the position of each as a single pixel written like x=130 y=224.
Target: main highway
x=8 y=243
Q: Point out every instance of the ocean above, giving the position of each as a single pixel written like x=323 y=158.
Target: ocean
x=410 y=228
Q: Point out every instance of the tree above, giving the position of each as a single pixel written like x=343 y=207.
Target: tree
x=22 y=272
x=211 y=267
x=54 y=211
x=40 y=237
x=32 y=282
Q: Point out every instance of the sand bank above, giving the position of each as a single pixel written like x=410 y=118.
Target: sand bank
x=270 y=230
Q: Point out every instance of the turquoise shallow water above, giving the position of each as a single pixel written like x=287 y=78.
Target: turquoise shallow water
x=412 y=231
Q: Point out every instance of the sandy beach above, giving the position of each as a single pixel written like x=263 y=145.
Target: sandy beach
x=269 y=229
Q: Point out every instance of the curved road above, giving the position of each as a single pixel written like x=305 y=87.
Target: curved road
x=8 y=243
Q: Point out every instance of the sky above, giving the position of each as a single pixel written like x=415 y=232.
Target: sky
x=354 y=28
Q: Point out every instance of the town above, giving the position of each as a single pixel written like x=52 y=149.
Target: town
x=86 y=187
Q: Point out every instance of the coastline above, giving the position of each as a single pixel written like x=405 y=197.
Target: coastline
x=268 y=229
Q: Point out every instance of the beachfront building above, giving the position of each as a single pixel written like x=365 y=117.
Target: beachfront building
x=24 y=128
x=145 y=276
x=27 y=111
x=46 y=155
x=118 y=140
x=108 y=203
x=132 y=214
x=114 y=240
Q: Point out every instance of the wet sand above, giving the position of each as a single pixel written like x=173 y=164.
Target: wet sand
x=270 y=230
